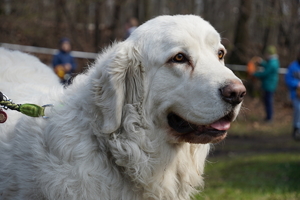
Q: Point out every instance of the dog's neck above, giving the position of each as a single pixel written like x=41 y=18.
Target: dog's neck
x=159 y=170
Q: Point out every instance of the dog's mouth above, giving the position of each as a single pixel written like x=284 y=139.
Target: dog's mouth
x=193 y=133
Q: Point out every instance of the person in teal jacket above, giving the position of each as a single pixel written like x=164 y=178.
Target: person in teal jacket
x=269 y=79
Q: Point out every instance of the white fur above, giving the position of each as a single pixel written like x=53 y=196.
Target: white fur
x=107 y=136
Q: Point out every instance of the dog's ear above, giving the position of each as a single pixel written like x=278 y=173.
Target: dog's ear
x=119 y=81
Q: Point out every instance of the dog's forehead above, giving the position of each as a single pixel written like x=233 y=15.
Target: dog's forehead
x=166 y=32
x=178 y=27
x=171 y=34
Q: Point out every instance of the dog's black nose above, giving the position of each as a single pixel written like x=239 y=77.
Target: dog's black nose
x=233 y=93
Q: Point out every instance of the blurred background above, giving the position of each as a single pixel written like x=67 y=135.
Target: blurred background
x=246 y=27
x=258 y=160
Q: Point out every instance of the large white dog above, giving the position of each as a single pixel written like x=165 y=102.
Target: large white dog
x=136 y=125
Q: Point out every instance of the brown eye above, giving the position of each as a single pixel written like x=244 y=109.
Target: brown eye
x=179 y=58
x=221 y=54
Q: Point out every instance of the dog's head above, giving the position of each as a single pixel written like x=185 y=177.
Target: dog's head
x=172 y=67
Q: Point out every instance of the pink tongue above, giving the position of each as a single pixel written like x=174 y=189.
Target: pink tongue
x=221 y=125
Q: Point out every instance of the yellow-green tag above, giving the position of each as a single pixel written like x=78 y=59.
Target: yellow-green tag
x=32 y=110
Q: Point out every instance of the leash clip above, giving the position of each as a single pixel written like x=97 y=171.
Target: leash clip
x=45 y=106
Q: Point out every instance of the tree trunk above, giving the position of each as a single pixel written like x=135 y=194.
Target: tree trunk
x=70 y=24
x=271 y=30
x=115 y=22
x=97 y=21
x=58 y=19
x=239 y=54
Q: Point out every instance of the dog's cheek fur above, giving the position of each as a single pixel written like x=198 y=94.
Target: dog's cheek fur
x=152 y=164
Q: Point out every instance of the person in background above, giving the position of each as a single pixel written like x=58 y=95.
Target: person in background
x=63 y=62
x=292 y=80
x=269 y=79
x=131 y=25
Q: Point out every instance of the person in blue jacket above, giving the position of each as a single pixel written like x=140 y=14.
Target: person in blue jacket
x=292 y=80
x=269 y=79
x=63 y=62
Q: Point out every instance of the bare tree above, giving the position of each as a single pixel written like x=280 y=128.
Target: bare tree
x=97 y=22
x=271 y=27
x=239 y=54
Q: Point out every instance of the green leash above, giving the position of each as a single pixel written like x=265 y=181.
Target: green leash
x=29 y=109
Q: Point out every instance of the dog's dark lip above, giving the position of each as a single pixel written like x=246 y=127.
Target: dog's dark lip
x=194 y=133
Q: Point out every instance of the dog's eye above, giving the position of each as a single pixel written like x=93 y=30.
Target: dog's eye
x=221 y=54
x=179 y=58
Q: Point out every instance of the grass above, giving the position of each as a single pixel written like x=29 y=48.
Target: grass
x=256 y=177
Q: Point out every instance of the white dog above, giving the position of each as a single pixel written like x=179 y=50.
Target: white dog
x=136 y=125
